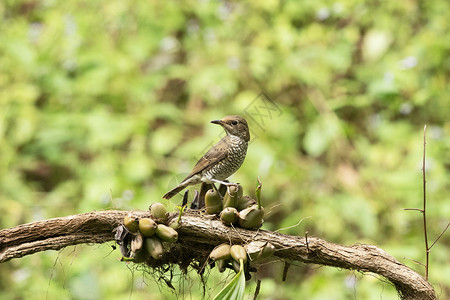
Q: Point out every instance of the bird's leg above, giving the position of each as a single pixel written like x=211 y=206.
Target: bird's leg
x=227 y=184
x=224 y=182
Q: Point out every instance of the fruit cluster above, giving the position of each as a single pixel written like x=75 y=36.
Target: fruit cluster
x=229 y=256
x=235 y=208
x=149 y=233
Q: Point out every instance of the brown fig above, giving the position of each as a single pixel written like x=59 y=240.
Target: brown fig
x=221 y=252
x=266 y=252
x=254 y=248
x=259 y=250
x=238 y=252
x=136 y=243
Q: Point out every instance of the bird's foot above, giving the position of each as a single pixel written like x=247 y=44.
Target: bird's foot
x=232 y=184
x=236 y=185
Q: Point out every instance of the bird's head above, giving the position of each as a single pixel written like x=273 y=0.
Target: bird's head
x=234 y=125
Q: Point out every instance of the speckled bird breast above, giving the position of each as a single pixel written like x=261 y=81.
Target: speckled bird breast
x=231 y=163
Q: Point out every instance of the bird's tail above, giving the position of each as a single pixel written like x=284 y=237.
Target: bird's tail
x=175 y=190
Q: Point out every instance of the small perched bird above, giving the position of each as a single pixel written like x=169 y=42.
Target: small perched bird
x=223 y=159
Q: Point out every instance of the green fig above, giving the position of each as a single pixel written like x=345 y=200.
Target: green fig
x=222 y=251
x=231 y=196
x=213 y=202
x=251 y=217
x=131 y=223
x=147 y=227
x=154 y=247
x=229 y=215
x=166 y=233
x=158 y=211
x=240 y=190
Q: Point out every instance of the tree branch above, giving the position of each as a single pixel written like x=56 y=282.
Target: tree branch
x=97 y=227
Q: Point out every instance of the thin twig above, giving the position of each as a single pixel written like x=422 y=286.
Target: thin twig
x=424 y=211
x=414 y=261
x=258 y=287
x=416 y=209
x=298 y=223
x=437 y=239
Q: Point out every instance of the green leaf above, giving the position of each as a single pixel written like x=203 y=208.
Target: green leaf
x=235 y=289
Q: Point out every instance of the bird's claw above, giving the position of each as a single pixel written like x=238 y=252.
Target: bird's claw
x=236 y=185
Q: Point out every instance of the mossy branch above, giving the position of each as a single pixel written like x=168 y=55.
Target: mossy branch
x=197 y=231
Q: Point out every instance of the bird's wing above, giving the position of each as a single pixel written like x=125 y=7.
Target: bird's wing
x=218 y=152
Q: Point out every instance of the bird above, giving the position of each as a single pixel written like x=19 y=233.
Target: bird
x=223 y=159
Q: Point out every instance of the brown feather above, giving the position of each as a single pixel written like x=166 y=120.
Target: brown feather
x=175 y=190
x=214 y=155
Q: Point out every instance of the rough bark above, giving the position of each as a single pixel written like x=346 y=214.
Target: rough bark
x=97 y=227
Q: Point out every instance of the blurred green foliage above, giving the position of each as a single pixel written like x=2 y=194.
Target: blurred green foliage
x=104 y=104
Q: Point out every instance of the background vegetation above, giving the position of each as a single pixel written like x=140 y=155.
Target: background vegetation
x=104 y=104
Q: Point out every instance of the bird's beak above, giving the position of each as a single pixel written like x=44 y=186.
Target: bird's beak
x=217 y=122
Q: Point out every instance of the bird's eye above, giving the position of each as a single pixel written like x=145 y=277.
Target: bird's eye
x=234 y=122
